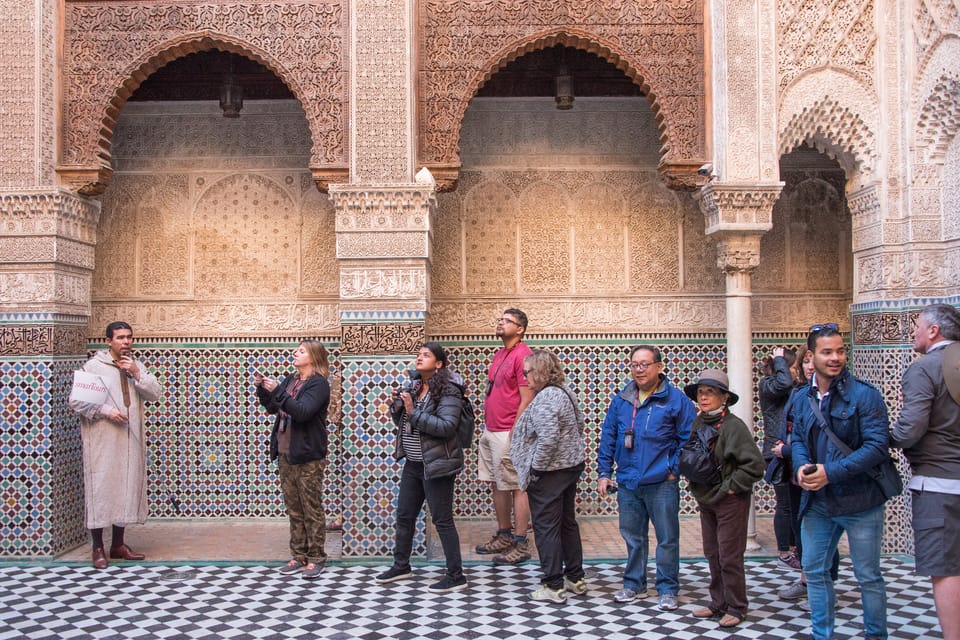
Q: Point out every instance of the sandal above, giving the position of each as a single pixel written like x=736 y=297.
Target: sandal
x=705 y=612
x=731 y=619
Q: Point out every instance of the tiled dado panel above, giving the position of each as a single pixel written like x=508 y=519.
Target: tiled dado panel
x=596 y=370
x=208 y=437
x=41 y=505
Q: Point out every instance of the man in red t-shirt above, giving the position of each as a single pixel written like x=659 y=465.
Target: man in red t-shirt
x=507 y=397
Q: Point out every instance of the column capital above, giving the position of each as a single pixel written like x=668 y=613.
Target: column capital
x=47 y=252
x=738 y=253
x=739 y=208
x=384 y=245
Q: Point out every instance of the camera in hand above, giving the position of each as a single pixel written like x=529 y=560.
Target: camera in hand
x=409 y=386
x=809 y=468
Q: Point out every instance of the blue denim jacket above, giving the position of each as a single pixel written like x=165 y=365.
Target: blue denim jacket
x=858 y=416
x=660 y=428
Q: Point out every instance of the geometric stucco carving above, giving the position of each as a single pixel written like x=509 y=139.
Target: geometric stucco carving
x=938 y=119
x=132 y=41
x=658 y=45
x=814 y=34
x=892 y=275
x=826 y=70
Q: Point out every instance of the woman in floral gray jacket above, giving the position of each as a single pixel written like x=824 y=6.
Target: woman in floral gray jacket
x=548 y=452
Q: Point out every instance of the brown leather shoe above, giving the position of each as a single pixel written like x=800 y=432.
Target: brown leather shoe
x=99 y=559
x=123 y=552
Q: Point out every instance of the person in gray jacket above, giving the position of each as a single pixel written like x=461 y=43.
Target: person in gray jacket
x=548 y=452
x=928 y=431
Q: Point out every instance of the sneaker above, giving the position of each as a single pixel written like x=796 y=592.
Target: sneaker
x=312 y=571
x=577 y=588
x=667 y=602
x=393 y=574
x=447 y=584
x=790 y=560
x=519 y=553
x=795 y=591
x=627 y=595
x=804 y=605
x=499 y=543
x=546 y=594
x=294 y=566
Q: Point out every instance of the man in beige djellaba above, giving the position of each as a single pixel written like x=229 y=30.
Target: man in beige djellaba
x=114 y=446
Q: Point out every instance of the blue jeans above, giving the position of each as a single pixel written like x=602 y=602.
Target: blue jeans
x=659 y=503
x=821 y=533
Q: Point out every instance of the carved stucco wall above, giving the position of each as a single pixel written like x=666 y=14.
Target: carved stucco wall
x=563 y=215
x=27 y=103
x=658 y=44
x=826 y=57
x=303 y=43
x=213 y=226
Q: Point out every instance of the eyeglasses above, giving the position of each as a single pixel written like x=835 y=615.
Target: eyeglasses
x=641 y=366
x=527 y=372
x=510 y=320
x=821 y=327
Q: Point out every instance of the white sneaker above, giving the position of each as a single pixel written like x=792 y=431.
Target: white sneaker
x=577 y=588
x=546 y=594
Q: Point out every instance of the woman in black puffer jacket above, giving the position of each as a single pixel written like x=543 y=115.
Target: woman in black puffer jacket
x=427 y=418
x=779 y=378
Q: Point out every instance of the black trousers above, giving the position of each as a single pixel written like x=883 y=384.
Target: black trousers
x=554 y=511
x=438 y=492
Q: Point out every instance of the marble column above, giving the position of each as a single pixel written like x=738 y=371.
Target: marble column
x=738 y=216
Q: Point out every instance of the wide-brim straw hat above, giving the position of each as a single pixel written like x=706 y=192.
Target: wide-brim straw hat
x=712 y=378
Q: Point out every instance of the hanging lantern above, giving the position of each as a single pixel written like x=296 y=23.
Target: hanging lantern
x=231 y=95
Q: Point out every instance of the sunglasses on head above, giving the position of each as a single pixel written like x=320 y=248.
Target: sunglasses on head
x=821 y=327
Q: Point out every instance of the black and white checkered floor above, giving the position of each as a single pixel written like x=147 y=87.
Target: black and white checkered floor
x=210 y=601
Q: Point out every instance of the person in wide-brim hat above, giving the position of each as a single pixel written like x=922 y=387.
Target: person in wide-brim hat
x=724 y=505
x=712 y=378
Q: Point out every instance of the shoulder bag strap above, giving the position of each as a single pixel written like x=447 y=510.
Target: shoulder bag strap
x=840 y=444
x=951 y=370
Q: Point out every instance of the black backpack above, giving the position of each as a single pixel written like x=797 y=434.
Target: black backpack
x=467 y=424
x=696 y=457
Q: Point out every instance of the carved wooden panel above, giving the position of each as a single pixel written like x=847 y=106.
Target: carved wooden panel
x=658 y=44
x=110 y=47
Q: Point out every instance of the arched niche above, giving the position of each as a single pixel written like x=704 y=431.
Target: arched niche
x=660 y=48
x=109 y=50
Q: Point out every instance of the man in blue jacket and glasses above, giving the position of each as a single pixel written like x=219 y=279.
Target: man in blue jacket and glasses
x=646 y=425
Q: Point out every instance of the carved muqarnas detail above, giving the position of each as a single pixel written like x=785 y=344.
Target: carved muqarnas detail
x=373 y=339
x=832 y=129
x=111 y=47
x=658 y=44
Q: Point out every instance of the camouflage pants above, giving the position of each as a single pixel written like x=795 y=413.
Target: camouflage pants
x=302 y=486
